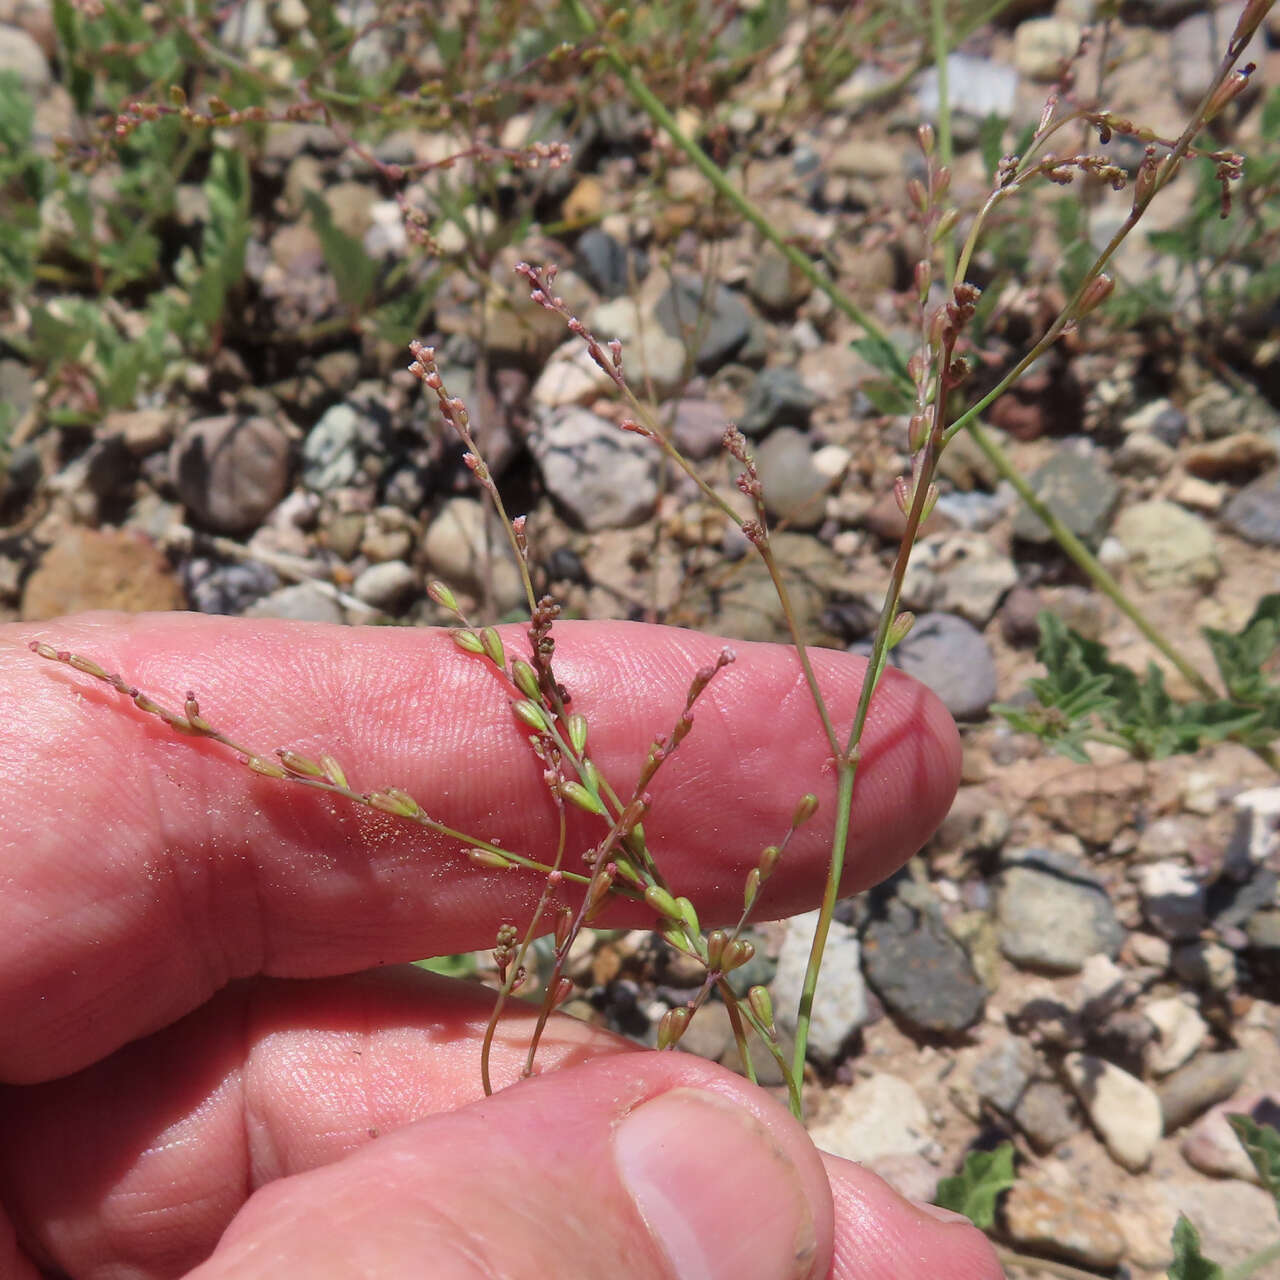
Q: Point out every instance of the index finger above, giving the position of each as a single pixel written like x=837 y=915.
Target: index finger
x=143 y=870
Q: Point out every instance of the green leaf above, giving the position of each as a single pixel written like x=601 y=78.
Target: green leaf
x=1243 y=657
x=459 y=966
x=1188 y=1262
x=1261 y=1143
x=974 y=1190
x=353 y=270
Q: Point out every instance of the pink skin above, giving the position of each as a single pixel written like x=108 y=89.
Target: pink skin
x=172 y=1084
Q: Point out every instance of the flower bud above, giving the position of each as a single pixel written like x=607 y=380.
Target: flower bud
x=442 y=596
x=1098 y=291
x=468 y=641
x=925 y=137
x=577 y=725
x=491 y=642
x=900 y=628
x=531 y=714
x=805 y=809
x=658 y=899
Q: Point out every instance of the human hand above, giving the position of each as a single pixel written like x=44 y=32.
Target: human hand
x=215 y=1057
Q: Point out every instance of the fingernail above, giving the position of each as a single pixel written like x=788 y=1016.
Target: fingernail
x=717 y=1193
x=937 y=1212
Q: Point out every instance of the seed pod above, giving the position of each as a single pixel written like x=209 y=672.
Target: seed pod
x=442 y=595
x=526 y=679
x=576 y=794
x=531 y=714
x=688 y=915
x=468 y=641
x=491 y=641
x=752 y=887
x=671 y=1026
x=488 y=858
x=1096 y=294
x=88 y=666
x=564 y=989
x=268 y=768
x=716 y=940
x=658 y=899
x=761 y=1005
x=577 y=726
x=805 y=810
x=564 y=922
x=736 y=954
x=395 y=801
x=769 y=856
x=333 y=770
x=302 y=765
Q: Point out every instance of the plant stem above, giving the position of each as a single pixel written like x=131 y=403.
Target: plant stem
x=1253 y=1263
x=888 y=356
x=938 y=33
x=1087 y=561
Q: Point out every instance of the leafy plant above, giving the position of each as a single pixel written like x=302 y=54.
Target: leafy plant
x=1087 y=697
x=975 y=1190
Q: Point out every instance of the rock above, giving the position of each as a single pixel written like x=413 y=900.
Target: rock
x=1125 y=1112
x=977 y=822
x=1263 y=934
x=1001 y=1077
x=877 y=1117
x=230 y=471
x=778 y=397
x=977 y=87
x=746 y=605
x=1234 y=904
x=1254 y=513
x=918 y=969
x=1208 y=965
x=776 y=285
x=1078 y=489
x=463 y=546
x=100 y=569
x=570 y=377
x=793 y=483
x=1072 y=1226
x=332 y=450
x=603 y=262
x=1047 y=1114
x=710 y=1036
x=1194 y=50
x=1211 y=1145
x=958 y=573
x=950 y=656
x=840 y=1005
x=228 y=588
x=1043 y=46
x=1020 y=617
x=601 y=476
x=1237 y=458
x=22 y=57
x=1144 y=455
x=1173 y=901
x=1168 y=547
x=1180 y=1031
x=302 y=602
x=717 y=318
x=650 y=355
x=1210 y=1078
x=1255 y=837
x=909 y=1175
x=1053 y=914
x=388 y=585
x=697 y=427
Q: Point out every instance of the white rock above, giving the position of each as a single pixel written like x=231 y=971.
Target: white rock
x=1180 y=1031
x=877 y=1117
x=1124 y=1111
x=1255 y=838
x=840 y=1003
x=571 y=377
x=1172 y=899
x=604 y=477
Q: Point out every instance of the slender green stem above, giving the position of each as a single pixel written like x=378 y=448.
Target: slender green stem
x=1253 y=1263
x=1087 y=561
x=888 y=357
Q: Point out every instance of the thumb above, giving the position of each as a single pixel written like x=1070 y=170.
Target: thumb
x=646 y=1165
